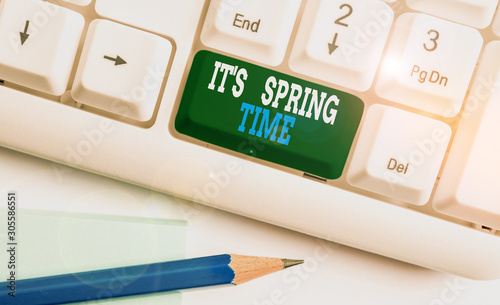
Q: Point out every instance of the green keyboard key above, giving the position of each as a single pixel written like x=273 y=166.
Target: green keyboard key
x=268 y=115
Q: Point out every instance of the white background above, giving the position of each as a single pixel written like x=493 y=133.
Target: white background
x=332 y=274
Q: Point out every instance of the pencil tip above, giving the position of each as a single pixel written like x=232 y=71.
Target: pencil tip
x=287 y=263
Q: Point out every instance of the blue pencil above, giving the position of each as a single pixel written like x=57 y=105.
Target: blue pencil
x=141 y=279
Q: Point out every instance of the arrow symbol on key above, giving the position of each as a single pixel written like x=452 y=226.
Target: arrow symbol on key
x=25 y=35
x=333 y=45
x=118 y=60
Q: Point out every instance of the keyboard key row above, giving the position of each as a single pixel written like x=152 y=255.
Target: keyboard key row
x=340 y=41
x=39 y=45
x=428 y=65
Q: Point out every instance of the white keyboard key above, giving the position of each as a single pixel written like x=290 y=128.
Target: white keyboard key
x=341 y=41
x=399 y=154
x=258 y=30
x=121 y=70
x=475 y=13
x=38 y=44
x=468 y=188
x=79 y=2
x=429 y=64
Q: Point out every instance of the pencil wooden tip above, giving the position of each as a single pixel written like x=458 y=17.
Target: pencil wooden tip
x=247 y=268
x=287 y=263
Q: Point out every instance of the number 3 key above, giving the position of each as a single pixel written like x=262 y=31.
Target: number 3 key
x=429 y=64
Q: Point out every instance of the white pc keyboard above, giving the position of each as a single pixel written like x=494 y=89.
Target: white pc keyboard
x=369 y=123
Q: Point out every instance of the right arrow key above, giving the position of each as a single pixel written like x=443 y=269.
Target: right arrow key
x=121 y=70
